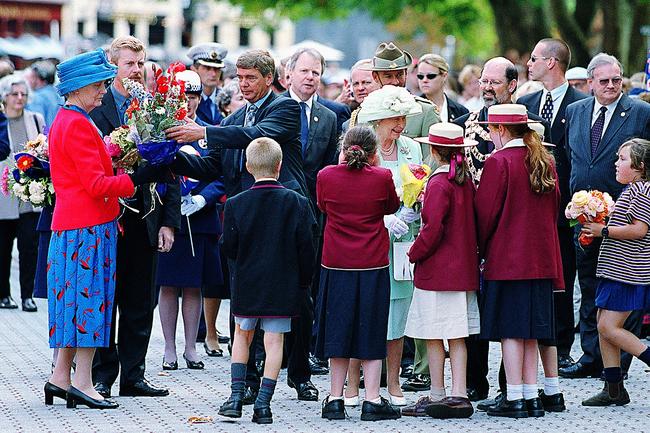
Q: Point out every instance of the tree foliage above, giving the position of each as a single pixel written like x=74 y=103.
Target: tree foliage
x=588 y=26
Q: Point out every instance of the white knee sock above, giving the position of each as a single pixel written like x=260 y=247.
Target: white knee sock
x=514 y=392
x=551 y=385
x=530 y=390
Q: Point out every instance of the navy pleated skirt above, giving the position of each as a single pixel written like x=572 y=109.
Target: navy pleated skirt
x=617 y=296
x=178 y=268
x=352 y=314
x=517 y=309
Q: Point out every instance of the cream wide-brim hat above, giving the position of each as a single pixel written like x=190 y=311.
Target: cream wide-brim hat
x=389 y=101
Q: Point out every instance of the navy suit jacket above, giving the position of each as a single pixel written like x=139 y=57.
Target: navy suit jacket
x=322 y=144
x=169 y=214
x=342 y=112
x=631 y=119
x=558 y=137
x=278 y=118
x=455 y=109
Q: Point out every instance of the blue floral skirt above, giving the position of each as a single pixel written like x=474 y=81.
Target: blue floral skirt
x=81 y=284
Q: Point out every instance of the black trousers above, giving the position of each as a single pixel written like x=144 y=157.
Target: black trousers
x=298 y=342
x=135 y=297
x=24 y=230
x=587 y=261
x=563 y=301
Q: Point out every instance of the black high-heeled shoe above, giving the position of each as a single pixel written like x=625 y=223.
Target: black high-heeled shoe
x=193 y=365
x=77 y=397
x=52 y=391
x=169 y=365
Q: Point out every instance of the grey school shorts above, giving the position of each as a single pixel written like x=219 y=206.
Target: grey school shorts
x=276 y=325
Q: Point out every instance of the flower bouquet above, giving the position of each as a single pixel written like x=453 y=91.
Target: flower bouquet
x=588 y=206
x=414 y=179
x=120 y=145
x=149 y=116
x=30 y=180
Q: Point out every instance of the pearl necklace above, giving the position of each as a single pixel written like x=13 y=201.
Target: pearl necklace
x=390 y=151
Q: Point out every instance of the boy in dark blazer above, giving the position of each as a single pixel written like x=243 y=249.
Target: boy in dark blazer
x=269 y=234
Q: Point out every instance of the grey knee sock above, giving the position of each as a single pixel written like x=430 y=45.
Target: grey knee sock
x=266 y=393
x=238 y=380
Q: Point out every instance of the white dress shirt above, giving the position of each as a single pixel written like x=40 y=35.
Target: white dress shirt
x=608 y=114
x=557 y=96
x=309 y=103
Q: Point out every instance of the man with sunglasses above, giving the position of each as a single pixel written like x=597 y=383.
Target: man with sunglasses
x=596 y=127
x=548 y=64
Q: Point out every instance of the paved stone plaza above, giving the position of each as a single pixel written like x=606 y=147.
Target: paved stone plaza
x=25 y=360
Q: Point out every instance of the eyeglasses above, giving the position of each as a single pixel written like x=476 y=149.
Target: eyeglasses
x=492 y=83
x=17 y=94
x=536 y=58
x=429 y=76
x=615 y=81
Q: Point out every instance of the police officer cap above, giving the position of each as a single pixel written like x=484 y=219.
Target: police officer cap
x=208 y=54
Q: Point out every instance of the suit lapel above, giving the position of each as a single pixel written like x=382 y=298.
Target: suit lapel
x=620 y=116
x=314 y=123
x=537 y=100
x=559 y=123
x=109 y=110
x=583 y=121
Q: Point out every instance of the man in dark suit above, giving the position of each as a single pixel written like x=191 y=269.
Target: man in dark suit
x=497 y=84
x=596 y=127
x=265 y=115
x=342 y=111
x=319 y=141
x=548 y=64
x=207 y=61
x=135 y=294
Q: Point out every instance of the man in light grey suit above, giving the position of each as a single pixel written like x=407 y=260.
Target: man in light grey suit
x=596 y=127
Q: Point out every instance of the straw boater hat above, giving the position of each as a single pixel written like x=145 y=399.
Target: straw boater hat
x=507 y=114
x=445 y=134
x=539 y=129
x=388 y=57
x=389 y=101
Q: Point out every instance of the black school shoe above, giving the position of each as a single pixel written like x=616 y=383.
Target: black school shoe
x=231 y=408
x=534 y=407
x=262 y=415
x=509 y=409
x=552 y=403
x=485 y=405
x=379 y=411
x=334 y=409
x=417 y=382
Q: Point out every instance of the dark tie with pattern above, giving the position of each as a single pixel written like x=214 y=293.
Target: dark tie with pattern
x=249 y=120
x=547 y=109
x=304 y=127
x=597 y=130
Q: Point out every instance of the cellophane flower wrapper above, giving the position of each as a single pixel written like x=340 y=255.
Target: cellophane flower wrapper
x=29 y=180
x=414 y=179
x=588 y=206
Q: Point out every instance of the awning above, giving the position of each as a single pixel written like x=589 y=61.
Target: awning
x=30 y=47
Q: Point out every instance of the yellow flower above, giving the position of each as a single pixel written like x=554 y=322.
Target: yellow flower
x=580 y=198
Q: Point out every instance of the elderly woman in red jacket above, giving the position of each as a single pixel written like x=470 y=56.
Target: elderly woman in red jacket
x=517 y=207
x=81 y=257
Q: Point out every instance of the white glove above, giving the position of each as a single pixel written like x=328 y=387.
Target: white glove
x=408 y=215
x=395 y=226
x=194 y=204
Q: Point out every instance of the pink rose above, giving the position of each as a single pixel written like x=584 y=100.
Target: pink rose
x=113 y=149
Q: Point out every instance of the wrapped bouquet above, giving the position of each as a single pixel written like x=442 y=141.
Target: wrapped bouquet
x=587 y=206
x=414 y=179
x=149 y=116
x=30 y=179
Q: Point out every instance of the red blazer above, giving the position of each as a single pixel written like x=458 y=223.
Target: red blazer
x=355 y=202
x=82 y=175
x=445 y=251
x=517 y=229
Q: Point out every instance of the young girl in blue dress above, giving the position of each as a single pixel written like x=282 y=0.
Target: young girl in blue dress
x=623 y=269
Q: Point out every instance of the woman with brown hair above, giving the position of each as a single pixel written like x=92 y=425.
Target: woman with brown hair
x=517 y=207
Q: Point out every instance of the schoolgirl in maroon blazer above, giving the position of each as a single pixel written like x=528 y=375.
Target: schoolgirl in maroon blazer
x=517 y=207
x=445 y=253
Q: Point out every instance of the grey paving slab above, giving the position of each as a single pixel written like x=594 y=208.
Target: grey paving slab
x=25 y=366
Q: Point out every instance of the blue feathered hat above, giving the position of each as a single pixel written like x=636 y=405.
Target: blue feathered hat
x=84 y=69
